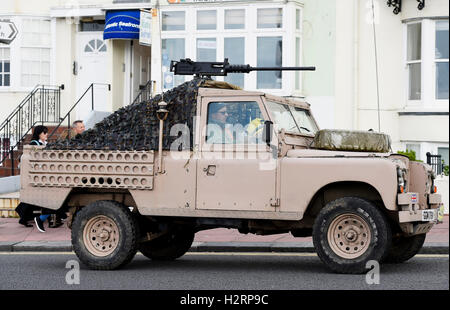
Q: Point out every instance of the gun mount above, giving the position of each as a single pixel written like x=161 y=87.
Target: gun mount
x=203 y=69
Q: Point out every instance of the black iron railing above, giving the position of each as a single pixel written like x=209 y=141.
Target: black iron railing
x=41 y=106
x=435 y=161
x=88 y=92
x=146 y=92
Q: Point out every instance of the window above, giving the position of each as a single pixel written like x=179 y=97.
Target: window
x=269 y=54
x=173 y=20
x=427 y=55
x=414 y=147
x=234 y=123
x=245 y=34
x=270 y=18
x=292 y=119
x=235 y=52
x=5 y=68
x=413 y=58
x=206 y=49
x=234 y=19
x=443 y=151
x=97 y=25
x=95 y=47
x=35 y=52
x=441 y=59
x=173 y=49
x=206 y=20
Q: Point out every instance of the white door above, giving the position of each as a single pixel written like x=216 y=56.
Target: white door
x=140 y=68
x=92 y=68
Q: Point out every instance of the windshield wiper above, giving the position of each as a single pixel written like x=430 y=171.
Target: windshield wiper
x=305 y=129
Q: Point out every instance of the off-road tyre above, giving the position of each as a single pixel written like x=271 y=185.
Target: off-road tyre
x=348 y=232
x=116 y=223
x=168 y=247
x=404 y=248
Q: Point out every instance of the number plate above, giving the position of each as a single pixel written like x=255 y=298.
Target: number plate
x=428 y=215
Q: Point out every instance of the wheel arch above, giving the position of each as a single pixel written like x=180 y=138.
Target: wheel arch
x=336 y=190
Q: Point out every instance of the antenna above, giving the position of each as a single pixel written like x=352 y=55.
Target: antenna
x=376 y=65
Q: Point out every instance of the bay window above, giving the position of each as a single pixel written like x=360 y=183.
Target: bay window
x=267 y=35
x=427 y=55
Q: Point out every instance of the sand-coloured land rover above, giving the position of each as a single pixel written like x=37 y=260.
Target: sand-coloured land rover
x=237 y=159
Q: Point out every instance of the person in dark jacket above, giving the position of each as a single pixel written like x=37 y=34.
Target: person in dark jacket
x=25 y=210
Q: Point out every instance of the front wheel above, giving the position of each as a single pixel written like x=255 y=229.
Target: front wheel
x=349 y=232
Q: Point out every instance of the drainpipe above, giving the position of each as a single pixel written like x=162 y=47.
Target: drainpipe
x=356 y=4
x=156 y=68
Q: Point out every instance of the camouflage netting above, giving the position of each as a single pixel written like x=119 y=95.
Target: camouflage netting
x=352 y=140
x=136 y=127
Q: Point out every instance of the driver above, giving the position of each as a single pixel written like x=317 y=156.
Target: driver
x=218 y=126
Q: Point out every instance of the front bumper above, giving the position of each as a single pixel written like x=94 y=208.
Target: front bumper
x=414 y=220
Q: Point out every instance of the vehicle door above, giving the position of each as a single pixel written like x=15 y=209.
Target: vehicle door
x=236 y=170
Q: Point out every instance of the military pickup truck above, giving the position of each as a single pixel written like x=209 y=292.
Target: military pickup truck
x=249 y=161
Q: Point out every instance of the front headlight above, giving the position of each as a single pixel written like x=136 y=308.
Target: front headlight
x=401 y=180
x=433 y=189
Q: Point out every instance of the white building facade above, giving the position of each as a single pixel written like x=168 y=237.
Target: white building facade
x=388 y=73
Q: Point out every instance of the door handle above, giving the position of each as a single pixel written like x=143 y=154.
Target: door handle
x=210 y=170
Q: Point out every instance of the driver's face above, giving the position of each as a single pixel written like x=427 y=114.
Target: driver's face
x=221 y=115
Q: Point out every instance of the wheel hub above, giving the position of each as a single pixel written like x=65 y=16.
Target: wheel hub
x=349 y=236
x=101 y=236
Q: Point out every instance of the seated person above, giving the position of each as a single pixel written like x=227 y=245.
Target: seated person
x=226 y=127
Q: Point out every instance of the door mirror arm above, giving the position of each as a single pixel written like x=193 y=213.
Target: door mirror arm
x=268 y=132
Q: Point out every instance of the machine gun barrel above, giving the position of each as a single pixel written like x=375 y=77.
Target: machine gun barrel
x=189 y=67
x=247 y=69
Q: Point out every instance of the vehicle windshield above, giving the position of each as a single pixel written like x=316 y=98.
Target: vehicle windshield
x=292 y=119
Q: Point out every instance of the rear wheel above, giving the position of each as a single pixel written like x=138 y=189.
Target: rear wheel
x=404 y=248
x=170 y=246
x=105 y=235
x=349 y=232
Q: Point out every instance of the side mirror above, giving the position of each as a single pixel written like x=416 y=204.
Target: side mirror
x=267 y=132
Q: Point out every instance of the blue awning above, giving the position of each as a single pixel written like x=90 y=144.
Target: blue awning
x=122 y=25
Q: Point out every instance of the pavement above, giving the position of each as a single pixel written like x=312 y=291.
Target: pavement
x=17 y=238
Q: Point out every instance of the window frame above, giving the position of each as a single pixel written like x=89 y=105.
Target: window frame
x=428 y=64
